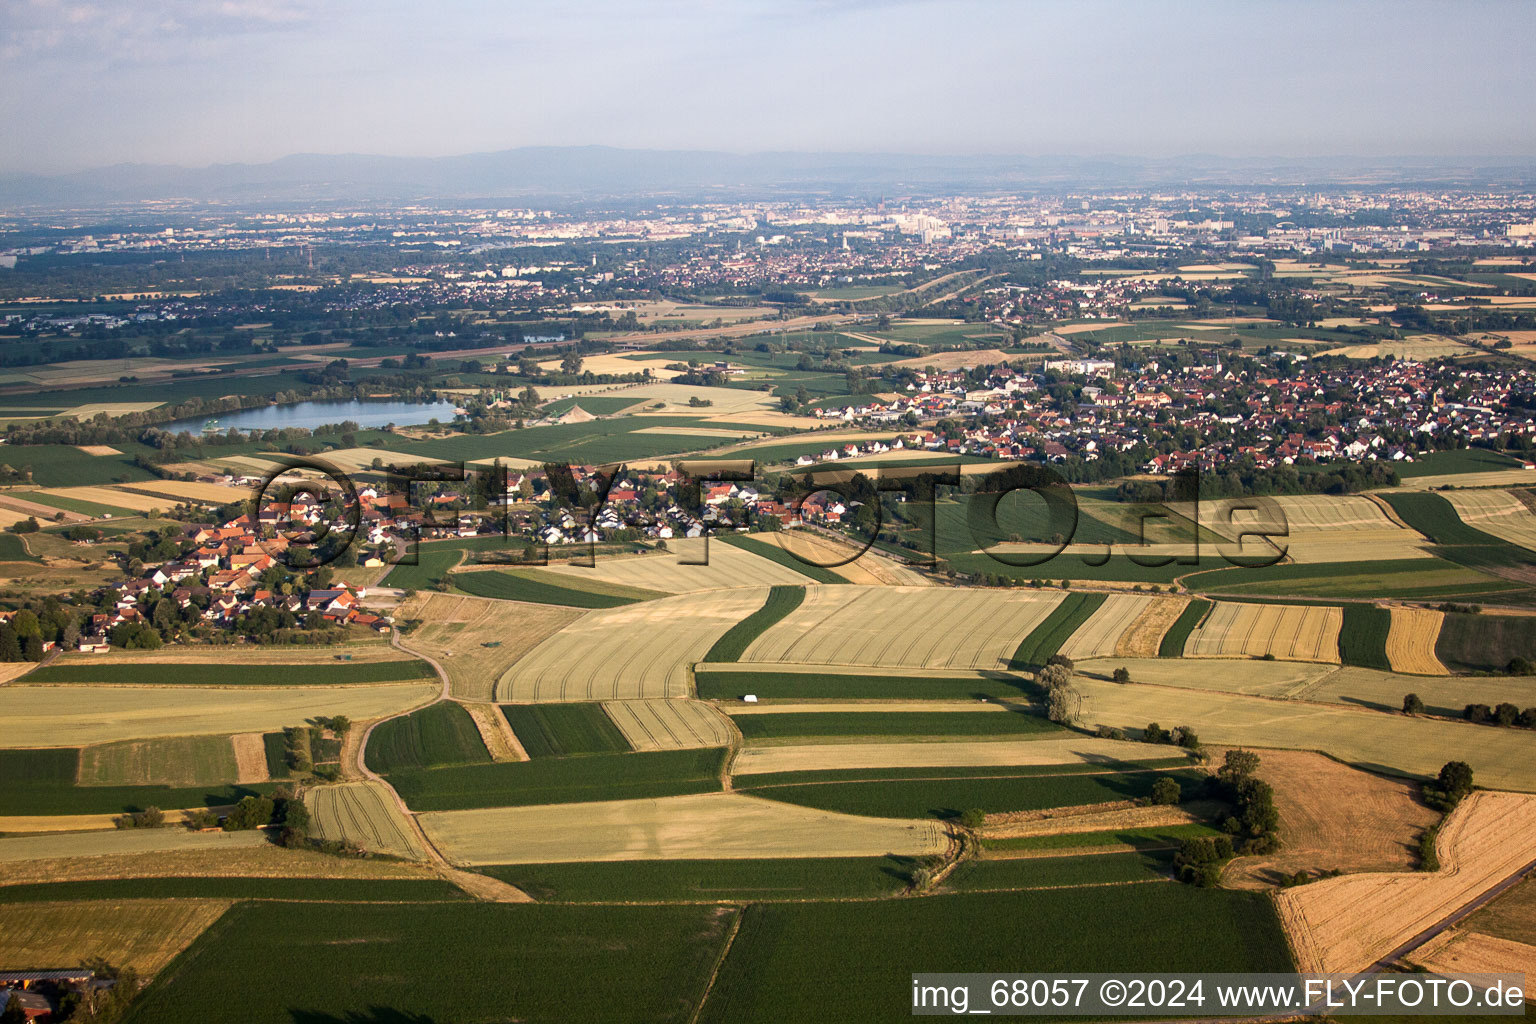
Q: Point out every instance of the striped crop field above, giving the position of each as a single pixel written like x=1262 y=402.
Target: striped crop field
x=363 y=815
x=1055 y=629
x=903 y=627
x=1289 y=632
x=669 y=724
x=1411 y=641
x=640 y=650
x=1101 y=635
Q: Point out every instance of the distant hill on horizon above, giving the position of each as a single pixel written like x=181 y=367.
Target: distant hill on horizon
x=595 y=172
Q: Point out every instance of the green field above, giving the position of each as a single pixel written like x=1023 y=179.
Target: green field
x=523 y=585
x=556 y=730
x=1044 y=872
x=167 y=760
x=439 y=734
x=1172 y=643
x=1407 y=579
x=854 y=961
x=1462 y=460
x=1046 y=639
x=235 y=674
x=795 y=878
x=446 y=963
x=774 y=553
x=42 y=781
x=1484 y=643
x=274 y=745
x=14 y=549
x=435 y=558
x=556 y=780
x=1363 y=638
x=1151 y=838
x=64 y=465
x=780 y=602
x=714 y=685
x=945 y=793
x=326 y=890
x=1457 y=542
x=874 y=725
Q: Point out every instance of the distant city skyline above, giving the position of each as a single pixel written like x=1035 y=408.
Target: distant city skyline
x=89 y=84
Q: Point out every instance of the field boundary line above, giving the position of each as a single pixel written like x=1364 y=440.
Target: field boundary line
x=725 y=951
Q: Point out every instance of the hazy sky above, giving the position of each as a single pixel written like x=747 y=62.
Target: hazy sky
x=205 y=81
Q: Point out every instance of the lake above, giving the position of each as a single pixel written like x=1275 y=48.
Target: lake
x=314 y=414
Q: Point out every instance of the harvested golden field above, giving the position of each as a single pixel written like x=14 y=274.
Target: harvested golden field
x=1143 y=637
x=120 y=841
x=78 y=715
x=364 y=815
x=638 y=650
x=727 y=567
x=495 y=732
x=670 y=724
x=1418 y=347
x=455 y=631
x=814 y=757
x=189 y=490
x=1492 y=478
x=1289 y=632
x=723 y=401
x=1100 y=636
x=959 y=359
x=98 y=449
x=113 y=497
x=142 y=934
x=1411 y=641
x=250 y=758
x=1459 y=951
x=782 y=706
x=351 y=460
x=1258 y=678
x=266 y=860
x=370 y=650
x=1346 y=924
x=1497 y=512
x=1353 y=546
x=708 y=825
x=1333 y=817
x=866 y=569
x=1389 y=742
x=912 y=627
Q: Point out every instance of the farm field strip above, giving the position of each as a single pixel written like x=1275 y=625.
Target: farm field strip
x=1144 y=636
x=912 y=627
x=144 y=935
x=1411 y=641
x=1459 y=951
x=168 y=761
x=1073 y=750
x=1289 y=632
x=1498 y=512
x=119 y=842
x=78 y=715
x=1392 y=743
x=640 y=650
x=715 y=826
x=364 y=815
x=1345 y=924
x=725 y=567
x=669 y=724
x=1230 y=675
x=477 y=640
x=1100 y=635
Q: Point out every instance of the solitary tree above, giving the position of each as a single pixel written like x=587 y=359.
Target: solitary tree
x=1455 y=780
x=1122 y=675
x=1166 y=791
x=1412 y=705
